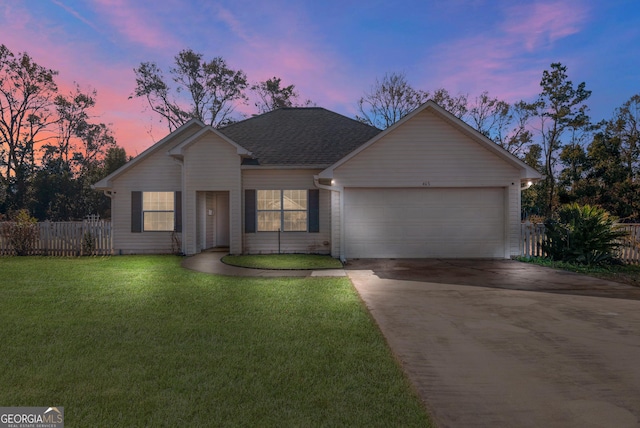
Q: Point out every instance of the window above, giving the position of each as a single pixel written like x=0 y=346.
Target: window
x=284 y=210
x=158 y=211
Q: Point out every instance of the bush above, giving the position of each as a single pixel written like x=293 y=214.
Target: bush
x=582 y=234
x=88 y=244
x=21 y=232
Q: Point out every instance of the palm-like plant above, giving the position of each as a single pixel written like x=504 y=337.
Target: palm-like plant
x=582 y=234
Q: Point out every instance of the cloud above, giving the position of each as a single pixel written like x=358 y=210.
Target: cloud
x=75 y=61
x=540 y=24
x=235 y=25
x=136 y=25
x=285 y=43
x=484 y=63
x=15 y=16
x=317 y=74
x=76 y=14
x=508 y=61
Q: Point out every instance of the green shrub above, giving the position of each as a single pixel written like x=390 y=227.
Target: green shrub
x=582 y=234
x=88 y=244
x=21 y=232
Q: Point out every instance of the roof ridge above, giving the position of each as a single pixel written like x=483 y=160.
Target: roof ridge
x=280 y=109
x=300 y=108
x=299 y=135
x=270 y=112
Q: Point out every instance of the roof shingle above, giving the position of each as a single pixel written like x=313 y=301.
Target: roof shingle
x=300 y=136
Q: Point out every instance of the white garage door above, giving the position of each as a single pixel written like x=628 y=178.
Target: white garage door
x=405 y=223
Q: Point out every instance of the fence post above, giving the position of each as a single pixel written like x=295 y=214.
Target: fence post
x=531 y=238
x=45 y=230
x=527 y=239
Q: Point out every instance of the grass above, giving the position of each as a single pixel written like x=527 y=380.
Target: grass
x=626 y=274
x=136 y=341
x=284 y=261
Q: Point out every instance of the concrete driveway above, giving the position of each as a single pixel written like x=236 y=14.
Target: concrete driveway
x=507 y=344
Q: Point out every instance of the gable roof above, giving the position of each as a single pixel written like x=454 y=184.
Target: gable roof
x=306 y=136
x=299 y=136
x=193 y=124
x=526 y=172
x=178 y=151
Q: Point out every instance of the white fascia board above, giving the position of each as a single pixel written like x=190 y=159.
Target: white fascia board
x=526 y=172
x=179 y=149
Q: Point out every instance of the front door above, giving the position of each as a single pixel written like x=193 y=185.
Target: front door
x=213 y=220
x=221 y=218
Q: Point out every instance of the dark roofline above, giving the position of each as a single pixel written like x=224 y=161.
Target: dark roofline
x=299 y=136
x=295 y=108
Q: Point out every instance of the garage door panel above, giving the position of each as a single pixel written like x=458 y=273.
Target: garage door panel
x=434 y=249
x=452 y=223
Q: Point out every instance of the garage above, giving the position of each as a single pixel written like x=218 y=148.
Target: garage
x=424 y=222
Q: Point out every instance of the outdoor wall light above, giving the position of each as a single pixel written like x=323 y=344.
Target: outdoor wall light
x=526 y=186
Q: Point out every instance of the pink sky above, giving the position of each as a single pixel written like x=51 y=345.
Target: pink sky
x=331 y=51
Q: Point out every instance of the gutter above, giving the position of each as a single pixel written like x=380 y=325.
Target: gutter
x=340 y=190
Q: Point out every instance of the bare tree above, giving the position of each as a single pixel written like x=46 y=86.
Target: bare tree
x=272 y=96
x=503 y=123
x=389 y=100
x=456 y=105
x=26 y=99
x=73 y=116
x=207 y=91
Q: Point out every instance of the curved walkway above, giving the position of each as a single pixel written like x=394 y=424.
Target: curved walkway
x=210 y=262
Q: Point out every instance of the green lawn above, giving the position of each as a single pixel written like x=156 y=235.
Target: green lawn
x=138 y=341
x=284 y=261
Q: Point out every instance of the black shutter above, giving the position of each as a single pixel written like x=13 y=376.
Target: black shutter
x=177 y=206
x=249 y=211
x=313 y=217
x=136 y=212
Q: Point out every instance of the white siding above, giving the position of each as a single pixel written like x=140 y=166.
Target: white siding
x=211 y=164
x=425 y=151
x=428 y=152
x=290 y=242
x=158 y=172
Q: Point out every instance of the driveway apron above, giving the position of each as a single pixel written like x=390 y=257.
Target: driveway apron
x=508 y=344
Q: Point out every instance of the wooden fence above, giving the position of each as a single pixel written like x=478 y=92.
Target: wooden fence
x=532 y=236
x=73 y=238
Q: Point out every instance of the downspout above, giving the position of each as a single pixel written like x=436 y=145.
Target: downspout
x=316 y=182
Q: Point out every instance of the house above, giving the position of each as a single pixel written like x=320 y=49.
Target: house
x=308 y=180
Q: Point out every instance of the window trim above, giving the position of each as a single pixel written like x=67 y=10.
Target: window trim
x=282 y=210
x=143 y=212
